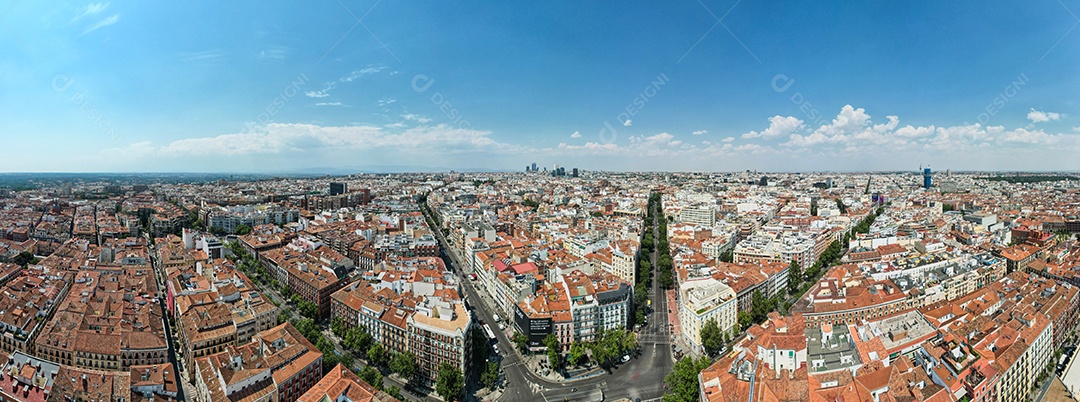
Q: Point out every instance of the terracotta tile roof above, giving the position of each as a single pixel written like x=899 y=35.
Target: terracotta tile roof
x=341 y=383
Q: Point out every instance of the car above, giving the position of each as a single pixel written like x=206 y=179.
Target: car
x=501 y=327
x=625 y=358
x=496 y=349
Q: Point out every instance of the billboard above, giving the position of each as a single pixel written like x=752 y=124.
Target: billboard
x=535 y=329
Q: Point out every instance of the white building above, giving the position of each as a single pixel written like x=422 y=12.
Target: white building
x=702 y=299
x=703 y=215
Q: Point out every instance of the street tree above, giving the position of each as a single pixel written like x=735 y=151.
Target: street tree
x=712 y=338
x=490 y=374
x=371 y=376
x=308 y=309
x=404 y=364
x=480 y=349
x=553 y=349
x=377 y=355
x=682 y=381
x=795 y=277
x=578 y=355
x=24 y=258
x=521 y=341
x=449 y=382
x=745 y=320
x=759 y=306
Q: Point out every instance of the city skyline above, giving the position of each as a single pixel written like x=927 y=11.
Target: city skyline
x=699 y=86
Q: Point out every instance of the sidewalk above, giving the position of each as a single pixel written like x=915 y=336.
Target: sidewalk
x=486 y=395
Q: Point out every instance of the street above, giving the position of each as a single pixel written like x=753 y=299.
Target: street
x=642 y=377
x=179 y=370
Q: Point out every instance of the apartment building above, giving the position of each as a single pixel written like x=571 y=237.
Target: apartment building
x=702 y=299
x=341 y=384
x=439 y=332
x=279 y=364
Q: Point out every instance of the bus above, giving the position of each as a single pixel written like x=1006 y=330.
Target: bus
x=489 y=332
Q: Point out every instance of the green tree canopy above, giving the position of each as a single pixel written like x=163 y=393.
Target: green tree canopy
x=745 y=320
x=449 y=382
x=377 y=355
x=308 y=309
x=404 y=364
x=371 y=376
x=727 y=256
x=795 y=277
x=682 y=381
x=577 y=355
x=490 y=374
x=712 y=338
x=554 y=349
x=24 y=258
x=521 y=342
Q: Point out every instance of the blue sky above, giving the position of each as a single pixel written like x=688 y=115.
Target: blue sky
x=706 y=86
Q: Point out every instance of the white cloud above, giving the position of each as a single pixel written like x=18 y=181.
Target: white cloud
x=205 y=56
x=329 y=104
x=415 y=117
x=112 y=19
x=778 y=126
x=627 y=123
x=353 y=76
x=362 y=72
x=700 y=132
x=914 y=132
x=576 y=134
x=1025 y=136
x=849 y=120
x=851 y=141
x=274 y=53
x=387 y=101
x=1076 y=129
x=91 y=9
x=277 y=138
x=1037 y=116
x=847 y=123
x=655 y=140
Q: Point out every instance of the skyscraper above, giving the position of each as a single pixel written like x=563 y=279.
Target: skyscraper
x=338 y=188
x=926 y=180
